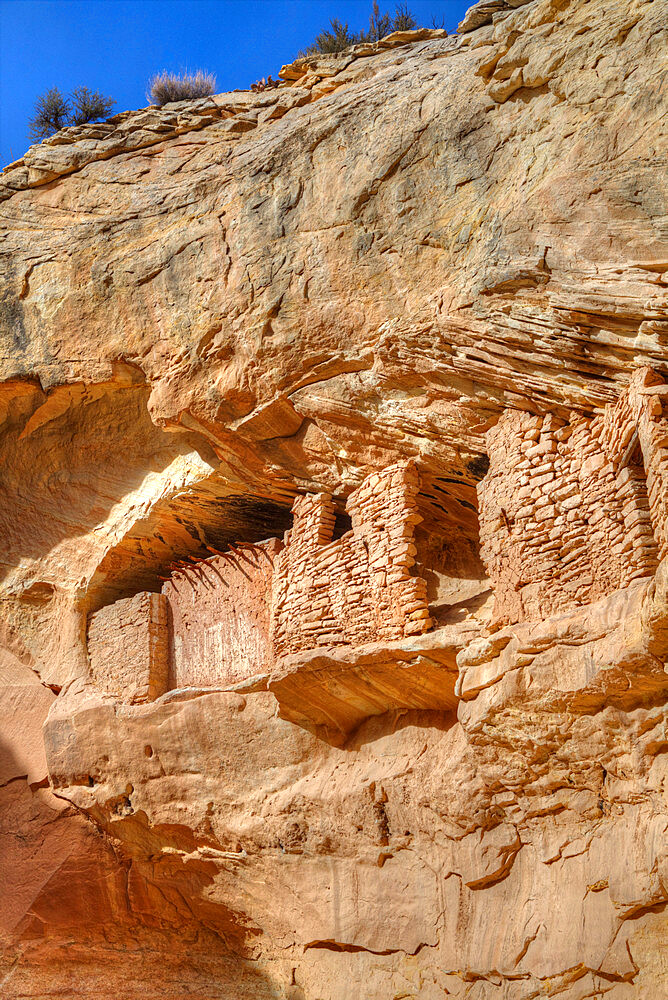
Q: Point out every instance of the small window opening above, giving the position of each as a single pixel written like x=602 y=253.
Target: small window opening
x=633 y=460
x=342 y=524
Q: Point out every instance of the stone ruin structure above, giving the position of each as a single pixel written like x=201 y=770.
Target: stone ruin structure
x=357 y=588
x=128 y=644
x=571 y=511
x=235 y=615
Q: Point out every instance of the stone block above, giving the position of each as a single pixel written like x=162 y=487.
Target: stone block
x=128 y=648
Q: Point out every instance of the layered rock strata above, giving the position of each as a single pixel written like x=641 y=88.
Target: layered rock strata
x=231 y=764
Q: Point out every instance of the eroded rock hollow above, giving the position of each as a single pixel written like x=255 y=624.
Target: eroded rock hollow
x=334 y=528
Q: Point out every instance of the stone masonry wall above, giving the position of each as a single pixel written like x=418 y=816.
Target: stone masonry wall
x=642 y=412
x=570 y=512
x=221 y=617
x=230 y=617
x=357 y=588
x=128 y=647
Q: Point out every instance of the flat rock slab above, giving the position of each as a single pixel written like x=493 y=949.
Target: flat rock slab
x=335 y=689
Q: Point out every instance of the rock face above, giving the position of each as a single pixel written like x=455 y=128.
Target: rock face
x=334 y=563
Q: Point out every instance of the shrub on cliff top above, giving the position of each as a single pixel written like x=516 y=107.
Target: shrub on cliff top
x=403 y=20
x=384 y=24
x=89 y=105
x=338 y=37
x=53 y=110
x=166 y=87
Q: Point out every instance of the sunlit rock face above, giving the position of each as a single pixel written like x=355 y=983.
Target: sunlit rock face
x=333 y=575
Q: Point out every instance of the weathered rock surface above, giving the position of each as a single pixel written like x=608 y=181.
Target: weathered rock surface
x=210 y=310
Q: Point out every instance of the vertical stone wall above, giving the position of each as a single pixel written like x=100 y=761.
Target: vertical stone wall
x=221 y=617
x=227 y=618
x=358 y=588
x=128 y=647
x=570 y=512
x=636 y=427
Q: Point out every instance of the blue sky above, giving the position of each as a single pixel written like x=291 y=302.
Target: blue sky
x=116 y=45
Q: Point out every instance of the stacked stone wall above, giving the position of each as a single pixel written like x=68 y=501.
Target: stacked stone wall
x=228 y=618
x=358 y=588
x=570 y=511
x=647 y=399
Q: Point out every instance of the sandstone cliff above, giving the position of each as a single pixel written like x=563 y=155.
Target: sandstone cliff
x=333 y=581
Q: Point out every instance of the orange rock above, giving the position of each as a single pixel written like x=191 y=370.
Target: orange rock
x=337 y=409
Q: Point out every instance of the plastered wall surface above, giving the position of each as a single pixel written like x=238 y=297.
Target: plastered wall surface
x=221 y=617
x=128 y=647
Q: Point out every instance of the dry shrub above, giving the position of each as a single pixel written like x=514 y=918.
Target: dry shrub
x=164 y=88
x=89 y=105
x=338 y=37
x=53 y=110
x=266 y=83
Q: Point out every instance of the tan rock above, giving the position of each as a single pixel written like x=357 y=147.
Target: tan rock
x=334 y=560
